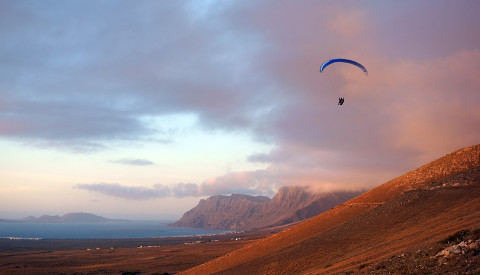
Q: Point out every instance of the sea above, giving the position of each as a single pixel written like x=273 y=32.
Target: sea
x=95 y=230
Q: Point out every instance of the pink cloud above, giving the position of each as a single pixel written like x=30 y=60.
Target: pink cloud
x=247 y=182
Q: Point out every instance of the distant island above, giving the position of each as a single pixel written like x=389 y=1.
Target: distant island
x=69 y=217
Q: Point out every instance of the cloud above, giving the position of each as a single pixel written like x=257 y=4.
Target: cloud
x=185 y=190
x=253 y=183
x=350 y=23
x=133 y=192
x=258 y=182
x=275 y=156
x=74 y=146
x=134 y=162
x=403 y=115
x=411 y=108
x=86 y=78
x=91 y=75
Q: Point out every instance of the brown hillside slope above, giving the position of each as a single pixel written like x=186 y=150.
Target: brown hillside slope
x=419 y=207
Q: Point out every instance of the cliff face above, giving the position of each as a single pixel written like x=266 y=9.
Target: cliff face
x=243 y=212
x=222 y=212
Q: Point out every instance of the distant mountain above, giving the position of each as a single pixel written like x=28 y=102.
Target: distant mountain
x=48 y=218
x=399 y=227
x=29 y=219
x=83 y=217
x=244 y=212
x=70 y=217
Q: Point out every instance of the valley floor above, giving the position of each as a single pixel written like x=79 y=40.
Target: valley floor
x=158 y=257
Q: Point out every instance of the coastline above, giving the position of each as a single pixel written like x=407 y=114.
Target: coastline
x=97 y=230
x=26 y=244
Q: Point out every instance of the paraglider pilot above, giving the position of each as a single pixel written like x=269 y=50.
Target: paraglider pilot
x=341 y=100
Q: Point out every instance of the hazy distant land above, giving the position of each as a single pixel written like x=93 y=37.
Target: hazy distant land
x=69 y=217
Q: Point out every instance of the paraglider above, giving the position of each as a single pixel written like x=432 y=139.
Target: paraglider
x=335 y=60
x=343 y=60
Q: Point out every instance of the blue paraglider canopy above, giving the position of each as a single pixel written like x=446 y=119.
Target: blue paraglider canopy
x=335 y=60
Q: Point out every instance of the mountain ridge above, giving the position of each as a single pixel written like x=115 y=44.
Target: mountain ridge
x=244 y=212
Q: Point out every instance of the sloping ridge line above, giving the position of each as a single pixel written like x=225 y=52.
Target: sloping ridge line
x=453 y=163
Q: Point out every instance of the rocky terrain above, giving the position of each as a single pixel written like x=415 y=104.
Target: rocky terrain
x=243 y=212
x=411 y=224
x=456 y=254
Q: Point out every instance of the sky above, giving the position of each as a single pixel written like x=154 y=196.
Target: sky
x=139 y=109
